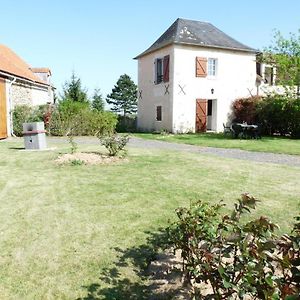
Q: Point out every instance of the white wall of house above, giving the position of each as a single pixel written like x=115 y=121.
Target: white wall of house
x=41 y=95
x=153 y=95
x=236 y=77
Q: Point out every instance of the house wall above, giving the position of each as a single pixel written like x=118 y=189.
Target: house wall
x=42 y=95
x=154 y=95
x=22 y=93
x=236 y=77
x=30 y=94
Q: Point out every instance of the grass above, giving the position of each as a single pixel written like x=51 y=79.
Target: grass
x=80 y=232
x=266 y=144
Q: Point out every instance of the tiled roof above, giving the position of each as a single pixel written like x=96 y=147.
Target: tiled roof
x=203 y=34
x=12 y=64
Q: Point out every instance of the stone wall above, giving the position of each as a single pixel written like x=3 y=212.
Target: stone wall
x=29 y=94
x=21 y=94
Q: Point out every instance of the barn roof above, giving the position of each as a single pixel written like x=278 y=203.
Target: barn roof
x=12 y=64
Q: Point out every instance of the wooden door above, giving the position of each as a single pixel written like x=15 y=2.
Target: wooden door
x=3 y=111
x=201 y=115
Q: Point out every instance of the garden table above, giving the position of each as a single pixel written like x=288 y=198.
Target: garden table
x=245 y=130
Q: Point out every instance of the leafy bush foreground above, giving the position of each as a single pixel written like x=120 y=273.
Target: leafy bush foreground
x=234 y=259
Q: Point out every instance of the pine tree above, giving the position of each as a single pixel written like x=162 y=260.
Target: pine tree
x=123 y=97
x=73 y=91
x=98 y=102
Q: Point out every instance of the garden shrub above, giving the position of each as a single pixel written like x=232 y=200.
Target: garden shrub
x=24 y=114
x=293 y=108
x=273 y=115
x=126 y=123
x=277 y=114
x=114 y=143
x=235 y=258
x=245 y=110
x=67 y=118
x=101 y=123
x=77 y=118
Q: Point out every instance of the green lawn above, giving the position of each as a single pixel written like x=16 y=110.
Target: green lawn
x=266 y=144
x=80 y=232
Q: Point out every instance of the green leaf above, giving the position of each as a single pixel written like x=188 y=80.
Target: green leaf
x=221 y=271
x=269 y=281
x=226 y=284
x=275 y=297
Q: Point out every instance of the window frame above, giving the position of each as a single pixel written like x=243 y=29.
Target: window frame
x=159 y=69
x=159 y=76
x=212 y=67
x=158 y=117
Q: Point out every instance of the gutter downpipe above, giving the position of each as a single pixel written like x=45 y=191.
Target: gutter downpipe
x=10 y=107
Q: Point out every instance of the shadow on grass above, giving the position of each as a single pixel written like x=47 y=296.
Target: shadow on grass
x=113 y=285
x=16 y=148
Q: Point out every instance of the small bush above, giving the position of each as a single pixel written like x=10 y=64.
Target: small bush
x=114 y=143
x=235 y=258
x=77 y=162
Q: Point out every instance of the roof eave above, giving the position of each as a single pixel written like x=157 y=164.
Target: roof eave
x=146 y=52
x=23 y=78
x=218 y=47
x=197 y=45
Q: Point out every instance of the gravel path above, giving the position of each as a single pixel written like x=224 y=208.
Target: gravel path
x=282 y=159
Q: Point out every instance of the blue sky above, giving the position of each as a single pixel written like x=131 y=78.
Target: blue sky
x=98 y=39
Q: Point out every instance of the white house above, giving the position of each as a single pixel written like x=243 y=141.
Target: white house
x=189 y=77
x=20 y=84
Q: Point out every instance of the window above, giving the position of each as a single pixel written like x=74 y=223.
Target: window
x=158 y=113
x=162 y=69
x=212 y=67
x=159 y=71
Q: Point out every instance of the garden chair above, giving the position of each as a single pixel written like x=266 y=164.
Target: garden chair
x=227 y=129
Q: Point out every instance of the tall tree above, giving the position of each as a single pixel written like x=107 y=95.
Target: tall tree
x=123 y=97
x=73 y=91
x=284 y=54
x=98 y=102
